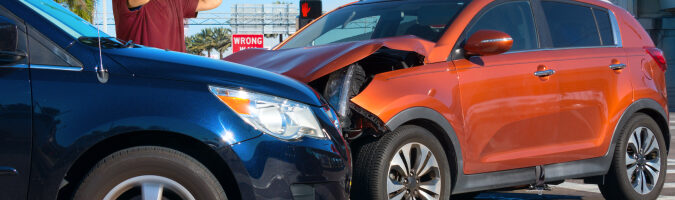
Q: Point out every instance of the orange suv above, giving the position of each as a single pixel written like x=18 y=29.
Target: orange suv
x=442 y=97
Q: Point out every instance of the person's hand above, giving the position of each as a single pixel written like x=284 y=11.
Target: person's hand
x=208 y=4
x=136 y=3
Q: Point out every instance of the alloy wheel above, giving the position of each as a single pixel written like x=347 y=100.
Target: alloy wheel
x=643 y=160
x=414 y=174
x=149 y=187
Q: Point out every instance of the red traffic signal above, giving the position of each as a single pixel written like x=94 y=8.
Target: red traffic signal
x=310 y=9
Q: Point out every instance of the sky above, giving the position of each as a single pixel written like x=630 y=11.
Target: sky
x=225 y=7
x=328 y=5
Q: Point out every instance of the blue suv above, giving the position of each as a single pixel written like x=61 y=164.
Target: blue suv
x=85 y=116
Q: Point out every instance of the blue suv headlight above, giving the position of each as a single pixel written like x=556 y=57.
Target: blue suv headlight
x=282 y=118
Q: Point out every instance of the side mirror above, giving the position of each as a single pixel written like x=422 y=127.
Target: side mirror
x=488 y=42
x=9 y=52
x=11 y=57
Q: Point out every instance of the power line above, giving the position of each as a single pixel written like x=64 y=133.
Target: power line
x=243 y=18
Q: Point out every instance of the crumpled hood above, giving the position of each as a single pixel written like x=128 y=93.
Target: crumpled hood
x=161 y=64
x=310 y=63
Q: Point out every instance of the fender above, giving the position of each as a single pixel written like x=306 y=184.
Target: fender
x=208 y=134
x=463 y=183
x=435 y=117
x=636 y=106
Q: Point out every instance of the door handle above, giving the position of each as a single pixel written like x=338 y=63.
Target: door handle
x=8 y=171
x=11 y=57
x=544 y=73
x=617 y=66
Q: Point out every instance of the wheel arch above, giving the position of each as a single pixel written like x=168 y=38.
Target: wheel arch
x=437 y=124
x=661 y=121
x=180 y=142
x=649 y=107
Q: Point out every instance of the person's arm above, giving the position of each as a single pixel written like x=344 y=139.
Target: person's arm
x=205 y=4
x=136 y=3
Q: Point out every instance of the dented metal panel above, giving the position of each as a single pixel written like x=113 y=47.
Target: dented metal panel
x=310 y=63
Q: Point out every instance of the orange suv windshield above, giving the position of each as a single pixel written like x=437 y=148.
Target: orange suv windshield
x=426 y=19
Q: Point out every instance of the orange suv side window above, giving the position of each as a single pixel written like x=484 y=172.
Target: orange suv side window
x=573 y=25
x=604 y=26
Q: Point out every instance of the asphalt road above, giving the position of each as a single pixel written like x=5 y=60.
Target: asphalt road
x=576 y=189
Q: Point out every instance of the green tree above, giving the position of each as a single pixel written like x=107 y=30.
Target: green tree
x=194 y=45
x=82 y=8
x=223 y=40
x=207 y=39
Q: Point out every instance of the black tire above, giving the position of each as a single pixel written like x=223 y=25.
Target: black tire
x=150 y=161
x=372 y=167
x=617 y=184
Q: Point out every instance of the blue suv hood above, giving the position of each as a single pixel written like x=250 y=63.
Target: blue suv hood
x=157 y=63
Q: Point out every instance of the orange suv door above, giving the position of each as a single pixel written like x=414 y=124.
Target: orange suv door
x=510 y=102
x=591 y=70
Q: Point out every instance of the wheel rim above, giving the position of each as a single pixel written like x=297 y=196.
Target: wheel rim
x=643 y=160
x=414 y=174
x=151 y=188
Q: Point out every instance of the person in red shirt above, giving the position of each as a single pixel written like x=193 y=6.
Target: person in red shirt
x=157 y=23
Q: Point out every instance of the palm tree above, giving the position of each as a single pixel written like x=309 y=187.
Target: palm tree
x=223 y=40
x=207 y=39
x=82 y=8
x=194 y=45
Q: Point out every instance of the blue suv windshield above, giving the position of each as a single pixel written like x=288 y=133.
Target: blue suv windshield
x=63 y=18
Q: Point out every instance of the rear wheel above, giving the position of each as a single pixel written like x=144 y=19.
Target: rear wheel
x=639 y=167
x=408 y=163
x=150 y=173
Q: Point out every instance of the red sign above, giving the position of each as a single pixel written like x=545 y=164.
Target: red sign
x=241 y=42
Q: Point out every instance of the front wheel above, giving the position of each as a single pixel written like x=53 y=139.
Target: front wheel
x=408 y=163
x=150 y=173
x=638 y=169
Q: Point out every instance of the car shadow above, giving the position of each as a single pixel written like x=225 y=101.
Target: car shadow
x=519 y=196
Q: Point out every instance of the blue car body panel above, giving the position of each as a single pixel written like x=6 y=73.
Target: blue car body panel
x=161 y=64
x=15 y=123
x=58 y=115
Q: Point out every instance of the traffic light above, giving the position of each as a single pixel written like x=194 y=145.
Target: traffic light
x=309 y=10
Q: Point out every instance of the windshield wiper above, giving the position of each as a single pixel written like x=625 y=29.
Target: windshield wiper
x=129 y=44
x=106 y=42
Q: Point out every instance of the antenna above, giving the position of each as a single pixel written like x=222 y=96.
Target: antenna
x=101 y=72
x=105 y=16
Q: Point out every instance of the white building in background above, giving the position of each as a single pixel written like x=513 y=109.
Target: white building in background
x=626 y=4
x=263 y=18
